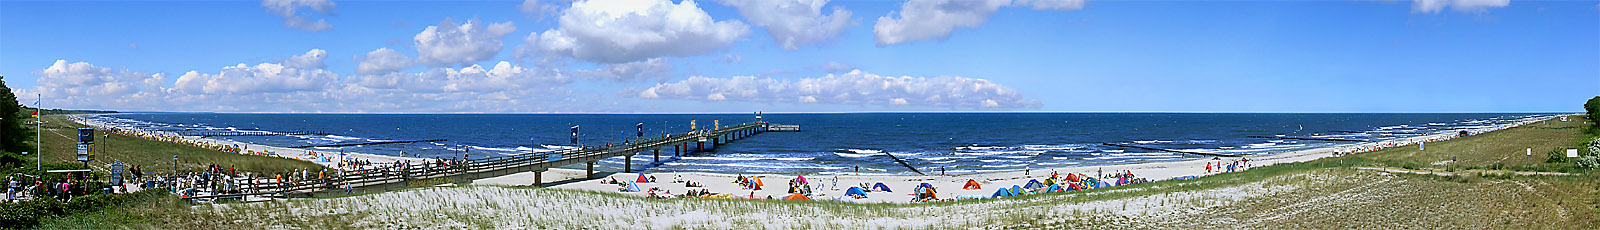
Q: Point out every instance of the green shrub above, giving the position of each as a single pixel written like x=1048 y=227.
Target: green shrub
x=1593 y=146
x=1588 y=162
x=1557 y=155
x=27 y=214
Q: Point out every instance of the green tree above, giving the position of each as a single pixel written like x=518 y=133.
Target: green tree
x=1592 y=107
x=13 y=137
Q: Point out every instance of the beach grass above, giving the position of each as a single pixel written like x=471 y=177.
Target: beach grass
x=60 y=138
x=1499 y=150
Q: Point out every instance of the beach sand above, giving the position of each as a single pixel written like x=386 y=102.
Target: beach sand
x=776 y=185
x=833 y=186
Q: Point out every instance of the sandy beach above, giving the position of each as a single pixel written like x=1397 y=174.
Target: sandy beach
x=831 y=187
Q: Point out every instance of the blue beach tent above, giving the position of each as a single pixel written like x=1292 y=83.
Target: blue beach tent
x=632 y=187
x=855 y=191
x=1033 y=184
x=1002 y=192
x=882 y=187
x=1054 y=188
x=1017 y=190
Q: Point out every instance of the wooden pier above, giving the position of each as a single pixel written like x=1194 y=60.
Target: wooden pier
x=433 y=173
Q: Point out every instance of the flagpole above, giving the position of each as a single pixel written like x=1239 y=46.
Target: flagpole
x=38 y=124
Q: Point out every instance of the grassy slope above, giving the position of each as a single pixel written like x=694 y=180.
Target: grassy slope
x=60 y=145
x=1327 y=193
x=1500 y=149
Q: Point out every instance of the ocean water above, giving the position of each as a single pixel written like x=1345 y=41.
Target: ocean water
x=838 y=143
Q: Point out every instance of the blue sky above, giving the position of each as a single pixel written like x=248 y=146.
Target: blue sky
x=650 y=56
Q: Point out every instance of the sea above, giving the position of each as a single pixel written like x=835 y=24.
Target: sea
x=832 y=143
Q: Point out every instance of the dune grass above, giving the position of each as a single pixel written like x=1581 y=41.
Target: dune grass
x=1504 y=149
x=60 y=145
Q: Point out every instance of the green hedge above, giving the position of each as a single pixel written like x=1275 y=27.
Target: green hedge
x=27 y=214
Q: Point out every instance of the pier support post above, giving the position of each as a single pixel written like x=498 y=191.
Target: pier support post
x=677 y=150
x=589 y=173
x=627 y=164
x=538 y=178
x=658 y=155
x=700 y=146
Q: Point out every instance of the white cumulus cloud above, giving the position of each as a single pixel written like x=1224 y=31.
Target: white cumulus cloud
x=65 y=83
x=448 y=44
x=290 y=11
x=310 y=60
x=920 y=20
x=855 y=87
x=620 y=31
x=793 y=23
x=261 y=78
x=1433 y=6
x=382 y=61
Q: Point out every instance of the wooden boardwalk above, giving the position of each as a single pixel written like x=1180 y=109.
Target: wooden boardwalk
x=433 y=173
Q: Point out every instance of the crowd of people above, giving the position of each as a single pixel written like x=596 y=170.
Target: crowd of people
x=24 y=187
